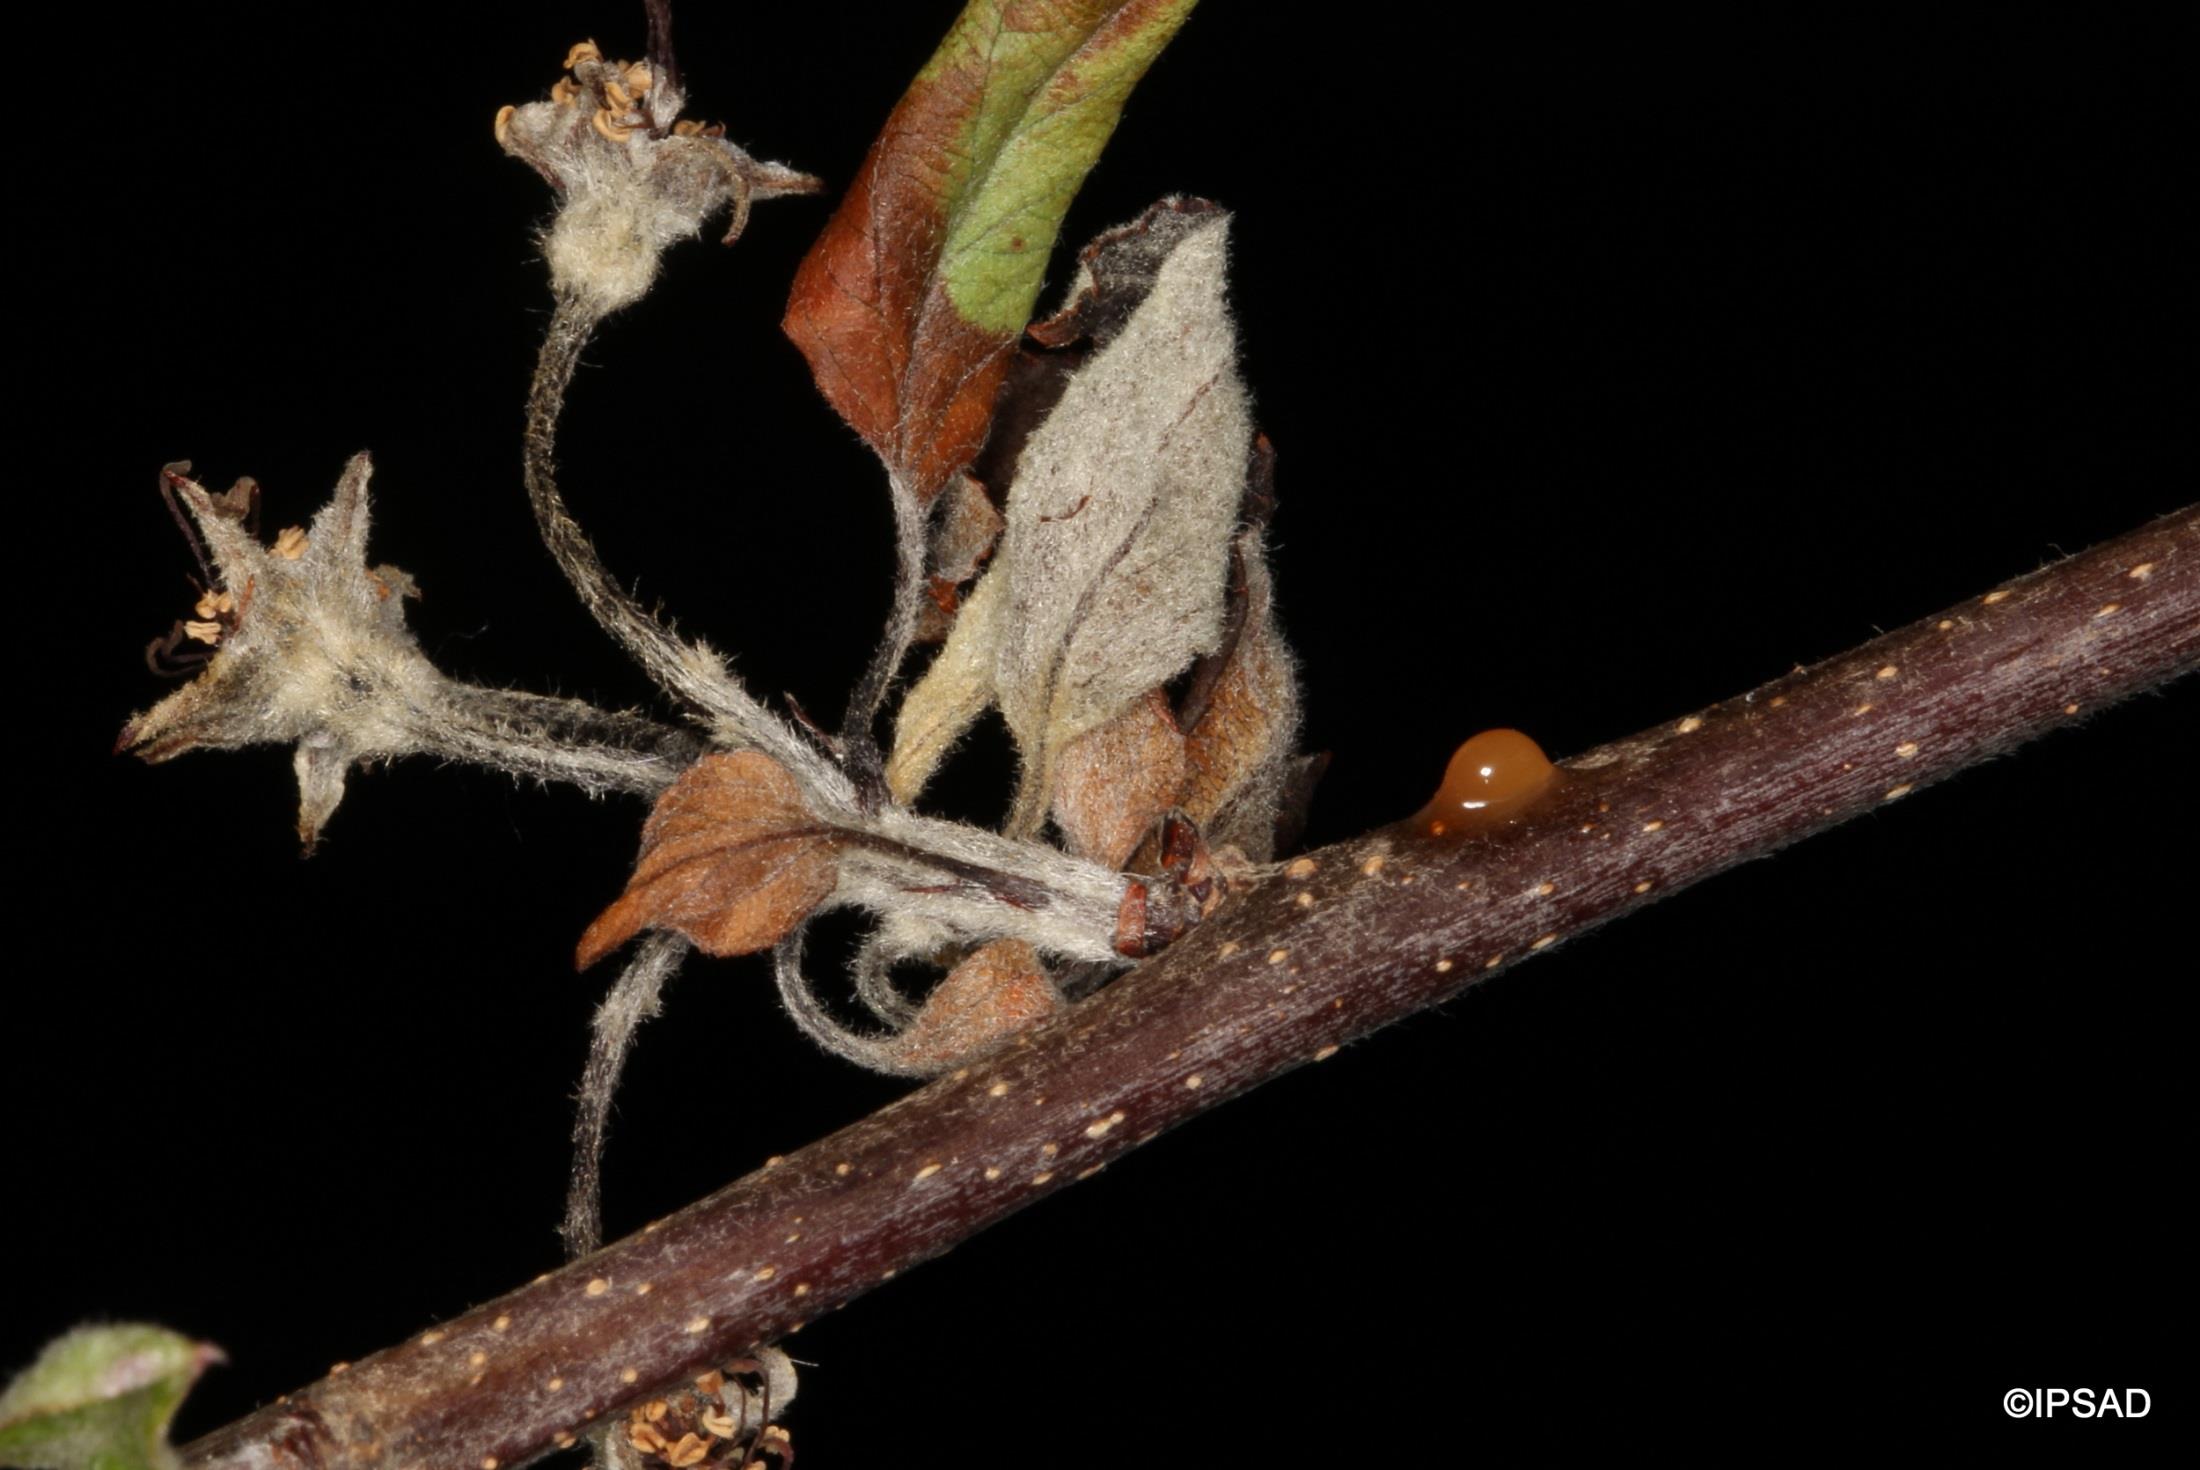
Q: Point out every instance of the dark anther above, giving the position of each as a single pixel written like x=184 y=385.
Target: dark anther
x=175 y=655
x=171 y=476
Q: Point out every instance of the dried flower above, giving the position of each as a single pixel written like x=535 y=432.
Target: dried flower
x=722 y=1421
x=631 y=174
x=310 y=650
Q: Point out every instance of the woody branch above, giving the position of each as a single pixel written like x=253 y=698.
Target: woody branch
x=1336 y=944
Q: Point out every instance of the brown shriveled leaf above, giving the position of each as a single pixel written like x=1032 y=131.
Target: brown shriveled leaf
x=1240 y=708
x=1111 y=785
x=964 y=531
x=1236 y=756
x=997 y=991
x=731 y=858
x=910 y=302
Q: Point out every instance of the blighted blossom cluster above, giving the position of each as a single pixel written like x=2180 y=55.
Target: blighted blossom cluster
x=1104 y=587
x=1082 y=530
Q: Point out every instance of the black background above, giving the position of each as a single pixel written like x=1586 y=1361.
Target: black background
x=1613 y=367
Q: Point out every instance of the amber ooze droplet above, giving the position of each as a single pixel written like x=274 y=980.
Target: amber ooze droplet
x=1491 y=780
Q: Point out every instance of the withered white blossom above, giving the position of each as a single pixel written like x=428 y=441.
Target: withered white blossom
x=632 y=175
x=313 y=652
x=318 y=642
x=1120 y=564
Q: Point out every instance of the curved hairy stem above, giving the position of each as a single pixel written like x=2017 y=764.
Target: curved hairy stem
x=631 y=1001
x=857 y=730
x=1335 y=945
x=690 y=672
x=817 y=1023
x=875 y=987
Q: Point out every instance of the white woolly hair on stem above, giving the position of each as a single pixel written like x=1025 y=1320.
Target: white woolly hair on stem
x=873 y=969
x=874 y=1051
x=550 y=738
x=1062 y=904
x=631 y=1001
x=690 y=672
x=911 y=546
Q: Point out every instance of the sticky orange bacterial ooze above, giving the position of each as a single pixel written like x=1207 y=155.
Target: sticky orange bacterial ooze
x=1491 y=780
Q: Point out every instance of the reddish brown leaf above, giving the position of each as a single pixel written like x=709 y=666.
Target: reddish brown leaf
x=910 y=302
x=998 y=991
x=1111 y=785
x=731 y=858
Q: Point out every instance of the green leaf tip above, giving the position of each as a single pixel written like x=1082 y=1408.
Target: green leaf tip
x=1050 y=95
x=100 y=1398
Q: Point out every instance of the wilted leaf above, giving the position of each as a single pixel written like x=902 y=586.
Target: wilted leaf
x=953 y=692
x=731 y=858
x=999 y=990
x=910 y=301
x=1238 y=750
x=100 y=1398
x=1119 y=523
x=1240 y=711
x=1112 y=784
x=1112 y=574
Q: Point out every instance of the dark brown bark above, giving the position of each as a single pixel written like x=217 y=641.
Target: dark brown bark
x=1337 y=944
